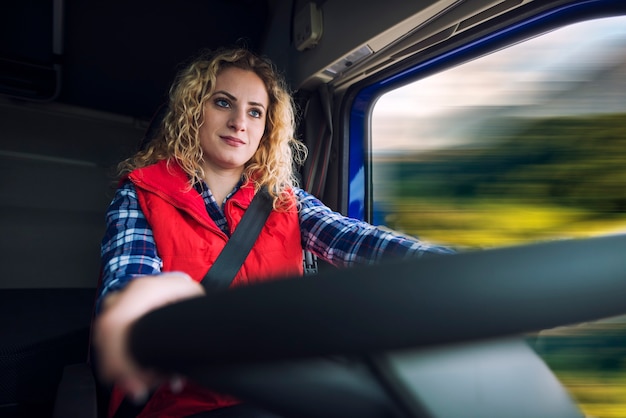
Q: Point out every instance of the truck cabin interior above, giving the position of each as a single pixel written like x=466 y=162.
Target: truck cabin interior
x=80 y=82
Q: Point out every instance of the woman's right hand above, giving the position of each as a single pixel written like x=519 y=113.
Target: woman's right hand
x=119 y=311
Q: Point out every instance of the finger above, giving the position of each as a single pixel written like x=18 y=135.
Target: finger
x=138 y=387
x=136 y=391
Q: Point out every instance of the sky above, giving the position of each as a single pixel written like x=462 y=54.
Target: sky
x=518 y=75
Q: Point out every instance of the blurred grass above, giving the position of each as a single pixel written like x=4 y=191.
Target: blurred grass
x=589 y=361
x=498 y=223
x=597 y=395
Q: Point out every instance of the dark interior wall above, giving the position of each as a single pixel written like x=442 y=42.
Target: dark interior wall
x=56 y=179
x=117 y=56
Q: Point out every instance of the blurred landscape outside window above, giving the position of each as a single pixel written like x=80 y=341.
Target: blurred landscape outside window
x=523 y=145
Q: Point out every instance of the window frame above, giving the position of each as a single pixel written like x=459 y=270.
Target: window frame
x=360 y=99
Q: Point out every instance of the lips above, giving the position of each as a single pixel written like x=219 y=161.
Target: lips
x=232 y=141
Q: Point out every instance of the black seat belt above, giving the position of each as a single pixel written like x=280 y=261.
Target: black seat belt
x=229 y=261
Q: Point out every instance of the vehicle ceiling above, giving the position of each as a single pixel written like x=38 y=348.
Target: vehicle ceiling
x=116 y=56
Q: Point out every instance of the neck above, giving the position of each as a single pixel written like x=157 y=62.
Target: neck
x=222 y=182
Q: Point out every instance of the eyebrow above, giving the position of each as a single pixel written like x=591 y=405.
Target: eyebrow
x=233 y=98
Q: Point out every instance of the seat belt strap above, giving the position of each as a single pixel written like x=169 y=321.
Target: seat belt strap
x=221 y=274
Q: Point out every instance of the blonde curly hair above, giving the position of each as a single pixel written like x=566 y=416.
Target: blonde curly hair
x=177 y=139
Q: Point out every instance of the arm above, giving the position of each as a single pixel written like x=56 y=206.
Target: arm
x=132 y=285
x=128 y=249
x=344 y=241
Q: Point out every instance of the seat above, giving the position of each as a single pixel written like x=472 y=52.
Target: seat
x=77 y=393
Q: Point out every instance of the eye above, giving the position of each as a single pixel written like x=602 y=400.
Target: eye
x=221 y=102
x=255 y=113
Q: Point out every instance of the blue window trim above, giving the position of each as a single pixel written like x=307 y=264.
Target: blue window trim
x=364 y=101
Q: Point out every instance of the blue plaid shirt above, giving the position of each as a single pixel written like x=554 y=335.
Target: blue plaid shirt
x=129 y=250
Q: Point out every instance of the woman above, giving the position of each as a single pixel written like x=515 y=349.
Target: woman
x=228 y=132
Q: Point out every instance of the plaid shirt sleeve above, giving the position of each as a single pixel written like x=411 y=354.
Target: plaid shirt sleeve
x=344 y=242
x=128 y=249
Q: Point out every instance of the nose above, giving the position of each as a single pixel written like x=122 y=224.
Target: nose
x=237 y=120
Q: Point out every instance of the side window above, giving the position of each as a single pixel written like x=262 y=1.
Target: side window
x=523 y=145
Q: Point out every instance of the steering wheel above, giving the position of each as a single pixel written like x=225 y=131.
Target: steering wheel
x=344 y=337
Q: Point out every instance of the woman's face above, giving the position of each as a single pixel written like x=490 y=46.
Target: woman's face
x=234 y=120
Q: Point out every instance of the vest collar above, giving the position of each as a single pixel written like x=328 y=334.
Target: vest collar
x=167 y=179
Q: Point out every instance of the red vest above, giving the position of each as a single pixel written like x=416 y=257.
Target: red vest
x=188 y=240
